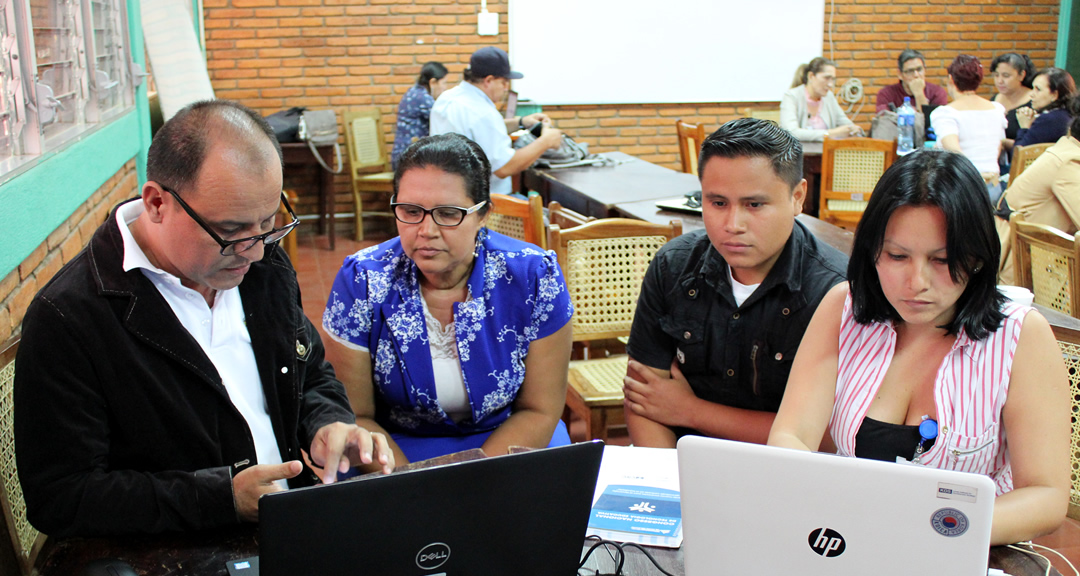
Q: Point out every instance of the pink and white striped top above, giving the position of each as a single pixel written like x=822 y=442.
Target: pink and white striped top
x=970 y=390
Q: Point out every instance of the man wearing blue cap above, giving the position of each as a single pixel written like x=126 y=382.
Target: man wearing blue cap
x=469 y=109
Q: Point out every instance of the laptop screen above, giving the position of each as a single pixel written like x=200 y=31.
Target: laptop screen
x=508 y=515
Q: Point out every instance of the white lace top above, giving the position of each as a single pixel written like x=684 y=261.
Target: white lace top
x=449 y=382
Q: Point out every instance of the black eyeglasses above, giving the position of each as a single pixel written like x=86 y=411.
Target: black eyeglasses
x=232 y=247
x=446 y=216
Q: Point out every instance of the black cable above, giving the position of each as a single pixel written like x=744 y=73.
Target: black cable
x=647 y=555
x=620 y=558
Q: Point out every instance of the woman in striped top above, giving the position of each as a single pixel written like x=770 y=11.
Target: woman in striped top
x=920 y=332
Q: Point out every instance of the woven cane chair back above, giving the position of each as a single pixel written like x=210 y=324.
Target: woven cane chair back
x=1048 y=264
x=604 y=262
x=850 y=169
x=25 y=539
x=369 y=164
x=1070 y=350
x=516 y=218
x=1023 y=156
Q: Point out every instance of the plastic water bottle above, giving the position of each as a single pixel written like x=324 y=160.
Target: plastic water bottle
x=905 y=128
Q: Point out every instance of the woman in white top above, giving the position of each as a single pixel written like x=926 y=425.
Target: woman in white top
x=920 y=358
x=971 y=124
x=809 y=110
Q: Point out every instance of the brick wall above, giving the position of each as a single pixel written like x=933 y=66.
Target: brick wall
x=347 y=54
x=20 y=285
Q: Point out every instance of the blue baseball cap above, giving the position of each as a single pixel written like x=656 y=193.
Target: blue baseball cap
x=492 y=61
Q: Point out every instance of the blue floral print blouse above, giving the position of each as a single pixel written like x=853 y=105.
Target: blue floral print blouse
x=413 y=119
x=516 y=294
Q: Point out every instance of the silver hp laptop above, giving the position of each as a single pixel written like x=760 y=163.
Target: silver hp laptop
x=752 y=509
x=509 y=515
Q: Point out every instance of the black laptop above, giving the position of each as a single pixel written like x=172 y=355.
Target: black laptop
x=514 y=515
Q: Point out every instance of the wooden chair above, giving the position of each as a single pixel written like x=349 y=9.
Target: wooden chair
x=368 y=161
x=690 y=138
x=26 y=541
x=289 y=243
x=564 y=219
x=604 y=263
x=521 y=219
x=1069 y=341
x=850 y=168
x=1047 y=262
x=1023 y=156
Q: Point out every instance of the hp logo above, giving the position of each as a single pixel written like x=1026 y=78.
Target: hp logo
x=432 y=556
x=826 y=542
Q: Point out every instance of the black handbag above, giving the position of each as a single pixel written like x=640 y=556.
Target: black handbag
x=286 y=124
x=316 y=127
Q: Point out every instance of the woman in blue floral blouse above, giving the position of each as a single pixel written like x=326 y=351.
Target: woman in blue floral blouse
x=452 y=336
x=414 y=111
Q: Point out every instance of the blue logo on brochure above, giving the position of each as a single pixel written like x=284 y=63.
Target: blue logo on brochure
x=949 y=522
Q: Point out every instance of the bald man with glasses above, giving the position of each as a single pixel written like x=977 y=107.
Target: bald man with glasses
x=168 y=376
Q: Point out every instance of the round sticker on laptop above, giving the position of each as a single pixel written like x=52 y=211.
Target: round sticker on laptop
x=949 y=522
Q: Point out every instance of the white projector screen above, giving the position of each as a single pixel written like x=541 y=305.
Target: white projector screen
x=661 y=51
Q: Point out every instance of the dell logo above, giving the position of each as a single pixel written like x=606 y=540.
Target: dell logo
x=432 y=556
x=826 y=542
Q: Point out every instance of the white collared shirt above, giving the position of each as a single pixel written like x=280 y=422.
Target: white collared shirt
x=467 y=110
x=221 y=332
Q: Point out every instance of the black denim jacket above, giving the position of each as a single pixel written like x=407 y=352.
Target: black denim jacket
x=122 y=424
x=739 y=356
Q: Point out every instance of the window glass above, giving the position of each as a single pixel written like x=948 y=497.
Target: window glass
x=59 y=57
x=110 y=81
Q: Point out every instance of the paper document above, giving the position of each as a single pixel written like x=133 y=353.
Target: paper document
x=637 y=497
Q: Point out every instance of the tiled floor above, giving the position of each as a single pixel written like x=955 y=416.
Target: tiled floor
x=316 y=267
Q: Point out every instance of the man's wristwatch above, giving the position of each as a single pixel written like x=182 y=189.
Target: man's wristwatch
x=521 y=122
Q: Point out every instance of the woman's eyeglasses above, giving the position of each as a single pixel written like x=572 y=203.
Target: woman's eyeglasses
x=446 y=216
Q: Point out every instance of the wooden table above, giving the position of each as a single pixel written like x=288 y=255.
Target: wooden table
x=595 y=190
x=646 y=210
x=297 y=155
x=205 y=554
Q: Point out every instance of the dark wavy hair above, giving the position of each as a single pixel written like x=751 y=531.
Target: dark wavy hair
x=966 y=72
x=430 y=71
x=909 y=54
x=1019 y=62
x=1061 y=82
x=179 y=148
x=950 y=182
x=749 y=137
x=454 y=154
x=802 y=73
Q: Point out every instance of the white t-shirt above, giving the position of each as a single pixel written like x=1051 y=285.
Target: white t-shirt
x=220 y=330
x=739 y=290
x=980 y=132
x=467 y=110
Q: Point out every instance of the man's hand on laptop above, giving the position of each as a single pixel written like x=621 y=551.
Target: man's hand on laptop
x=251 y=483
x=661 y=399
x=349 y=445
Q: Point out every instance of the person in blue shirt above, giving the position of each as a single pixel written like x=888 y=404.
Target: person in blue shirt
x=450 y=336
x=470 y=109
x=1048 y=118
x=414 y=111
